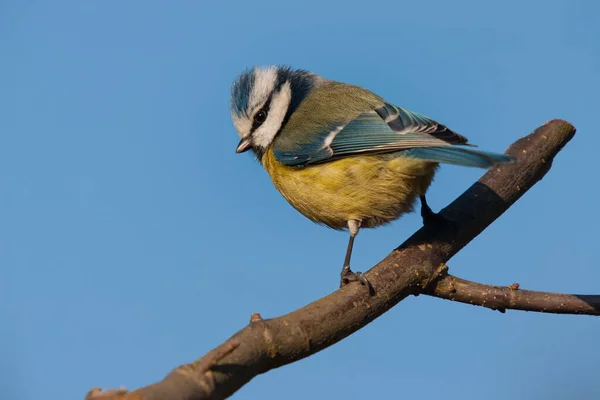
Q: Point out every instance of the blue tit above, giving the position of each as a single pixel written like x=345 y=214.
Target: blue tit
x=340 y=154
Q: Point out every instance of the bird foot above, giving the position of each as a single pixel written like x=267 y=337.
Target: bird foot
x=429 y=217
x=348 y=276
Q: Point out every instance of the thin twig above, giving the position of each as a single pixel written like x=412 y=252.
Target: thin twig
x=511 y=297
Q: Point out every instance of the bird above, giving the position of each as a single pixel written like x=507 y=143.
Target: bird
x=341 y=155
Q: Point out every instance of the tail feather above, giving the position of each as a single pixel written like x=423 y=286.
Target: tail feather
x=460 y=155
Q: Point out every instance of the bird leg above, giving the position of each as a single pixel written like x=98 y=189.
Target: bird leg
x=429 y=217
x=347 y=275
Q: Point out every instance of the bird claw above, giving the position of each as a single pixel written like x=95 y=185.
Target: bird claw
x=348 y=276
x=430 y=217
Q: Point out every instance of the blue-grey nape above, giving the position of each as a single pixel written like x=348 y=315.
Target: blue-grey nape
x=240 y=92
x=302 y=82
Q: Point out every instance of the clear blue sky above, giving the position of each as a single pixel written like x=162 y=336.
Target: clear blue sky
x=133 y=239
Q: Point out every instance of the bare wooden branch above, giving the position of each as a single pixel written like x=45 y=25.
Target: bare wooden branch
x=512 y=297
x=412 y=268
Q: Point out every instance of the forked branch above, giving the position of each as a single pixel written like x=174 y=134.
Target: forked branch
x=417 y=266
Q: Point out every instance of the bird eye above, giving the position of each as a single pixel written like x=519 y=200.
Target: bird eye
x=260 y=116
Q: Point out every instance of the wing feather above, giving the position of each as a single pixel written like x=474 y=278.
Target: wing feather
x=387 y=129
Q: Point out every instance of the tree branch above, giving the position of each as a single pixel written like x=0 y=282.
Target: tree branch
x=512 y=297
x=410 y=269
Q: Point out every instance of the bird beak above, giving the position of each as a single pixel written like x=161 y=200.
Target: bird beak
x=244 y=145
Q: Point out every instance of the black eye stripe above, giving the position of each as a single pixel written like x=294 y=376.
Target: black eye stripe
x=266 y=108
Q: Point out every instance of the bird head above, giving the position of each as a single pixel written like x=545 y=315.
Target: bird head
x=262 y=101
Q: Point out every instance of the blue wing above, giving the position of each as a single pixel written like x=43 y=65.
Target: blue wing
x=404 y=121
x=389 y=129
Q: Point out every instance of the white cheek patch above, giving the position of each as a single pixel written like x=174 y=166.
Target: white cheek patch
x=280 y=103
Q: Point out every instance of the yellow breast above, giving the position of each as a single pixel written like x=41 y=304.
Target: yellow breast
x=373 y=189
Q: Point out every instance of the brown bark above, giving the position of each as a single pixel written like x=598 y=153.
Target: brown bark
x=417 y=266
x=512 y=297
